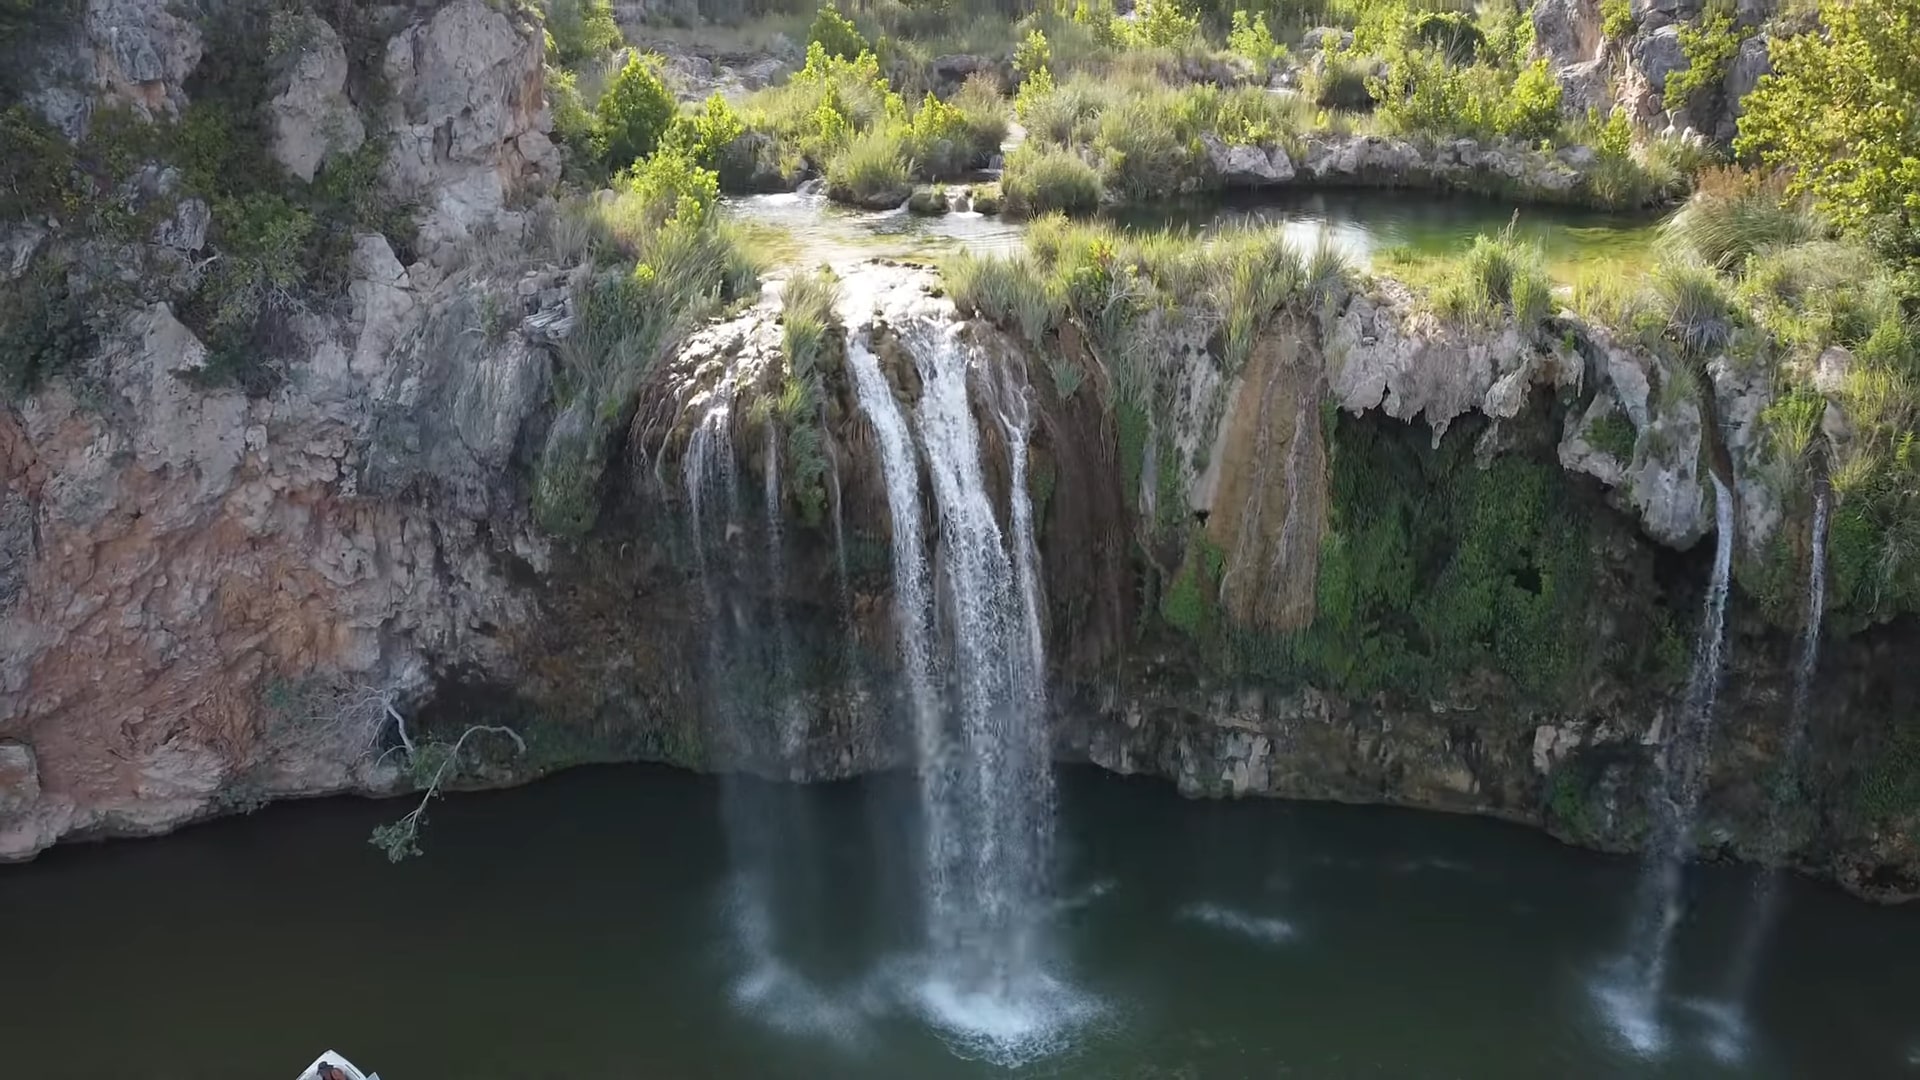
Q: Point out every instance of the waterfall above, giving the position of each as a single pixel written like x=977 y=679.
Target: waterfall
x=1765 y=906
x=791 y=718
x=979 y=720
x=1657 y=907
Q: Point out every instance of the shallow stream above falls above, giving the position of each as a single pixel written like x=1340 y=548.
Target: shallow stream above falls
x=581 y=928
x=805 y=230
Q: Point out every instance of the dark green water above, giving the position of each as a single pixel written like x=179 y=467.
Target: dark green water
x=580 y=928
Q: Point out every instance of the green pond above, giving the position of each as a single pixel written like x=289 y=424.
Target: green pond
x=1366 y=225
x=589 y=926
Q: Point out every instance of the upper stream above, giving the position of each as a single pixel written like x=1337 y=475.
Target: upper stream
x=581 y=928
x=1361 y=224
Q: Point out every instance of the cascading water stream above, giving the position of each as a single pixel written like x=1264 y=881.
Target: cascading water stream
x=1765 y=906
x=1635 y=1000
x=979 y=721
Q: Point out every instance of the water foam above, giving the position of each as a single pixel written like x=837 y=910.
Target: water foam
x=1260 y=928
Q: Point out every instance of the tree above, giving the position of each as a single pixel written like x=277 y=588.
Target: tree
x=581 y=29
x=837 y=34
x=634 y=112
x=1841 y=112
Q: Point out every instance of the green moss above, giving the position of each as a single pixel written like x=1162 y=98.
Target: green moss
x=1130 y=424
x=1889 y=785
x=1190 y=603
x=1613 y=434
x=1433 y=567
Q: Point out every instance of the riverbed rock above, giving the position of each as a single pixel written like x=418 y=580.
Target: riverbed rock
x=928 y=202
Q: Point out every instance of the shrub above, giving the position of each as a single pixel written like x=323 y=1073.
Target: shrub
x=872 y=169
x=704 y=134
x=1250 y=38
x=36 y=165
x=1735 y=215
x=43 y=330
x=1452 y=34
x=580 y=29
x=1033 y=55
x=633 y=113
x=672 y=187
x=1422 y=93
x=984 y=114
x=1142 y=152
x=940 y=141
x=1339 y=81
x=1616 y=19
x=1698 y=315
x=1499 y=276
x=1038 y=180
x=1162 y=24
x=1709 y=48
x=1837 y=113
x=806 y=311
x=836 y=34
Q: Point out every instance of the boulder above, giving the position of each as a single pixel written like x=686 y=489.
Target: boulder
x=142 y=53
x=927 y=202
x=1246 y=166
x=1585 y=88
x=1745 y=70
x=1659 y=55
x=312 y=118
x=1652 y=15
x=1568 y=32
x=1326 y=37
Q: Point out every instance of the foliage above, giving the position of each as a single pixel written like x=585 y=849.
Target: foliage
x=1034 y=54
x=1190 y=604
x=872 y=166
x=1838 y=114
x=1709 y=47
x=1616 y=19
x=940 y=140
x=1452 y=34
x=1612 y=433
x=1039 y=180
x=1889 y=783
x=1699 y=314
x=1734 y=215
x=1339 y=81
x=670 y=261
x=806 y=311
x=1433 y=566
x=1422 y=92
x=836 y=34
x=1500 y=277
x=705 y=135
x=578 y=30
x=36 y=164
x=1161 y=24
x=43 y=330
x=574 y=125
x=633 y=113
x=1251 y=38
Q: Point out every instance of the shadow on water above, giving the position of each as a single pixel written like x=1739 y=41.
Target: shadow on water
x=579 y=928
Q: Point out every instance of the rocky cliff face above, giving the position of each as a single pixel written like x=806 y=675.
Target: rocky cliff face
x=1384 y=558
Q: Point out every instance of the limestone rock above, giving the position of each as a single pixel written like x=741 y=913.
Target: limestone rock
x=1247 y=166
x=1567 y=32
x=1658 y=55
x=19 y=779
x=312 y=118
x=1326 y=37
x=185 y=230
x=1742 y=393
x=927 y=202
x=143 y=52
x=1745 y=71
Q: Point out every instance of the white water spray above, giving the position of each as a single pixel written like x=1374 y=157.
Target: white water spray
x=979 y=719
x=1633 y=998
x=1765 y=907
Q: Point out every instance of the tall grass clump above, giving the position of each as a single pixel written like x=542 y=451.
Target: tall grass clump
x=806 y=313
x=872 y=169
x=1699 y=313
x=1735 y=215
x=1255 y=271
x=1499 y=277
x=1040 y=179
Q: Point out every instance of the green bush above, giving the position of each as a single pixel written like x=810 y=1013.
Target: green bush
x=1038 y=180
x=1700 y=317
x=1162 y=24
x=1033 y=55
x=940 y=141
x=1339 y=81
x=1453 y=34
x=1616 y=19
x=633 y=113
x=574 y=125
x=1709 y=48
x=36 y=166
x=984 y=113
x=872 y=169
x=43 y=330
x=1422 y=93
x=1249 y=37
x=580 y=29
x=1837 y=114
x=836 y=34
x=1499 y=277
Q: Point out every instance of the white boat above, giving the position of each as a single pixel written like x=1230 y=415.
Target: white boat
x=338 y=1061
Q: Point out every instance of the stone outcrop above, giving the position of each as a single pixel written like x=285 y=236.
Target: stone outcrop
x=312 y=117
